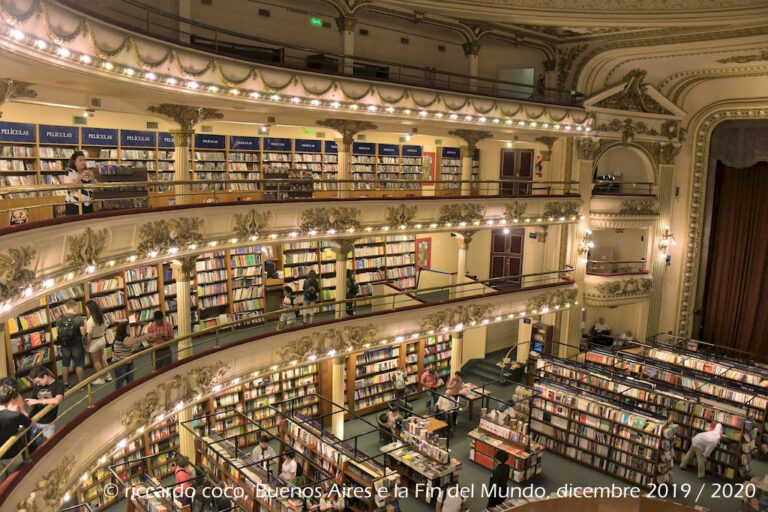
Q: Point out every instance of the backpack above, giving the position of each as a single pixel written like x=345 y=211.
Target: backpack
x=311 y=292
x=399 y=381
x=68 y=330
x=352 y=288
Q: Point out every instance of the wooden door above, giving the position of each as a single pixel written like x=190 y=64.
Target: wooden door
x=507 y=257
x=516 y=164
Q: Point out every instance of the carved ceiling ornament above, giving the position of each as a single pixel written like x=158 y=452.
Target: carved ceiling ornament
x=347 y=128
x=162 y=235
x=10 y=88
x=179 y=388
x=252 y=223
x=633 y=97
x=49 y=491
x=743 y=59
x=339 y=219
x=565 y=60
x=624 y=287
x=588 y=148
x=515 y=209
x=471 y=137
x=14 y=274
x=552 y=299
x=449 y=318
x=556 y=209
x=187 y=117
x=638 y=207
x=85 y=248
x=457 y=213
x=401 y=215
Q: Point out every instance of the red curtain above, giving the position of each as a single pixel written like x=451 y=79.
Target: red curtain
x=736 y=292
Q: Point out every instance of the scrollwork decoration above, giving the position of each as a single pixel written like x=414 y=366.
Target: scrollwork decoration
x=556 y=209
x=51 y=489
x=187 y=117
x=85 y=248
x=552 y=299
x=638 y=207
x=14 y=274
x=450 y=317
x=457 y=213
x=624 y=287
x=252 y=223
x=325 y=219
x=515 y=209
x=348 y=129
x=401 y=215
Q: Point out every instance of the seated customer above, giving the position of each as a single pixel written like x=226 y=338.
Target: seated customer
x=602 y=332
x=625 y=339
x=447 y=410
x=393 y=416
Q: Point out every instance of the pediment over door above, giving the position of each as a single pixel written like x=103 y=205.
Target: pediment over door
x=633 y=95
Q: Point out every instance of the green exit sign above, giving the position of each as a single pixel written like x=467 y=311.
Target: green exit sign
x=316 y=21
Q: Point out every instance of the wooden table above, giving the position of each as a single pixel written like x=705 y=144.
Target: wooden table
x=435 y=425
x=467 y=393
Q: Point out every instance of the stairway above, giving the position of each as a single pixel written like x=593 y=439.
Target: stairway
x=481 y=371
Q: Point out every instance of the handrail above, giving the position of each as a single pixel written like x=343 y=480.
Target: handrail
x=614 y=268
x=562 y=276
x=426 y=75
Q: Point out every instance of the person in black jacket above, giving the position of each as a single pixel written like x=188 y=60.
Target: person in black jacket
x=499 y=480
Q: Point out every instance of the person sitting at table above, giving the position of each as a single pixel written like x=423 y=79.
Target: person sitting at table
x=393 y=416
x=454 y=385
x=447 y=410
x=602 y=332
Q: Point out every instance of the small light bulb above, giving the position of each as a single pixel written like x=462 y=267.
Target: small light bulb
x=453 y=117
x=295 y=99
x=129 y=71
x=390 y=109
x=150 y=76
x=48 y=283
x=171 y=81
x=439 y=115
x=482 y=119
x=315 y=102
x=275 y=97
x=234 y=92
x=17 y=34
x=354 y=106
x=40 y=44
x=335 y=104
x=108 y=66
x=85 y=59
x=372 y=108
x=467 y=118
x=255 y=95
x=62 y=52
x=213 y=88
x=423 y=113
x=192 y=84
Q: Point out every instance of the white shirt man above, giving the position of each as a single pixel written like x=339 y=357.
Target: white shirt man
x=450 y=500
x=702 y=446
x=263 y=452
x=602 y=326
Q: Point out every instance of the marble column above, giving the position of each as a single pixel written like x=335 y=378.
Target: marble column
x=186 y=438
x=338 y=397
x=472 y=52
x=524 y=339
x=183 y=306
x=346 y=25
x=657 y=258
x=182 y=141
x=457 y=352
x=343 y=167
x=342 y=249
x=461 y=267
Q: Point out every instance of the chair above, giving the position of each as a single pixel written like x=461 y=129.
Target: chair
x=385 y=433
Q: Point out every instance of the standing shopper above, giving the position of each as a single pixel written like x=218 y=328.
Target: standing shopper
x=287 y=318
x=499 y=480
x=311 y=292
x=352 y=290
x=160 y=331
x=430 y=381
x=70 y=329
x=122 y=349
x=13 y=419
x=46 y=390
x=78 y=173
x=400 y=382
x=96 y=339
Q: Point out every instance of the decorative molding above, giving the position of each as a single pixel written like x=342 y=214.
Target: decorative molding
x=471 y=137
x=565 y=60
x=638 y=207
x=347 y=128
x=85 y=248
x=458 y=213
x=515 y=209
x=252 y=224
x=546 y=155
x=552 y=299
x=448 y=318
x=297 y=350
x=628 y=129
x=743 y=59
x=617 y=291
x=558 y=209
x=180 y=388
x=50 y=491
x=187 y=117
x=10 y=88
x=634 y=97
x=161 y=234
x=344 y=340
x=339 y=219
x=401 y=215
x=14 y=274
x=587 y=148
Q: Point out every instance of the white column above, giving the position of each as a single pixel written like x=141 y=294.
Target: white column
x=343 y=167
x=472 y=51
x=461 y=268
x=186 y=438
x=183 y=308
x=466 y=170
x=346 y=26
x=658 y=261
x=341 y=278
x=182 y=140
x=337 y=397
x=523 y=340
x=642 y=321
x=457 y=352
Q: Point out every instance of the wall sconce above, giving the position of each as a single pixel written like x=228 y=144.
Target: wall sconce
x=585 y=244
x=667 y=239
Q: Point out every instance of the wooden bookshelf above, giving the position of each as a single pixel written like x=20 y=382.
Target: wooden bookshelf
x=437 y=354
x=244 y=162
x=449 y=169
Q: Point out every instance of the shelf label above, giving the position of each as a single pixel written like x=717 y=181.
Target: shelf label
x=99 y=137
x=331 y=146
x=17 y=132
x=451 y=152
x=208 y=141
x=244 y=143
x=51 y=134
x=309 y=145
x=389 y=149
x=138 y=138
x=363 y=148
x=165 y=140
x=277 y=144
x=411 y=150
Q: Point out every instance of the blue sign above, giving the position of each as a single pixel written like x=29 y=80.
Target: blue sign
x=363 y=148
x=309 y=145
x=526 y=320
x=208 y=141
x=17 y=132
x=331 y=146
x=532 y=235
x=99 y=137
x=276 y=144
x=244 y=143
x=165 y=140
x=411 y=150
x=50 y=134
x=451 y=152
x=138 y=139
x=389 y=149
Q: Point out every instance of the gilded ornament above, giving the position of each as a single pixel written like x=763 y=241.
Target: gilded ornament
x=457 y=213
x=625 y=287
x=347 y=128
x=180 y=388
x=638 y=207
x=10 y=89
x=449 y=318
x=515 y=209
x=161 y=234
x=588 y=148
x=49 y=491
x=14 y=274
x=297 y=350
x=324 y=219
x=471 y=137
x=187 y=117
x=634 y=96
x=82 y=27
x=558 y=209
x=552 y=299
x=85 y=248
x=253 y=223
x=565 y=59
x=401 y=215
x=743 y=59
x=549 y=142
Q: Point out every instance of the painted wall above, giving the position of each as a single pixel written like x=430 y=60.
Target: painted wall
x=628 y=163
x=501 y=336
x=631 y=244
x=620 y=318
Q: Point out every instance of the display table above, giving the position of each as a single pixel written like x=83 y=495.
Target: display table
x=524 y=463
x=436 y=425
x=472 y=393
x=417 y=468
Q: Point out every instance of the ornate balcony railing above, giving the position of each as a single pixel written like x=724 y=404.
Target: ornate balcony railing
x=616 y=268
x=606 y=187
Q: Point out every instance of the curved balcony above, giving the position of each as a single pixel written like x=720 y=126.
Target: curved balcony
x=616 y=268
x=617 y=289
x=96 y=416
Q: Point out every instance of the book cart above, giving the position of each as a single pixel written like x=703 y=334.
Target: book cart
x=603 y=434
x=690 y=412
x=509 y=432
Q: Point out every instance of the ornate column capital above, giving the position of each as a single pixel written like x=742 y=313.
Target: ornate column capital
x=588 y=148
x=346 y=23
x=472 y=48
x=187 y=117
x=471 y=137
x=182 y=138
x=549 y=142
x=347 y=128
x=10 y=89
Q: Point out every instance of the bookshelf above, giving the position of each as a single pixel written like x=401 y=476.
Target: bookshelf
x=30 y=341
x=369 y=263
x=450 y=170
x=213 y=291
x=100 y=146
x=373 y=376
x=165 y=159
x=475 y=171
x=362 y=165
x=542 y=336
x=388 y=165
x=55 y=145
x=138 y=149
x=401 y=261
x=209 y=160
x=18 y=156
x=308 y=158
x=244 y=161
x=141 y=287
x=247 y=279
x=627 y=443
x=91 y=488
x=330 y=163
x=410 y=166
x=437 y=354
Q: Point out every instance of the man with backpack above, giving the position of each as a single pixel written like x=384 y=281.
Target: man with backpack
x=70 y=333
x=400 y=383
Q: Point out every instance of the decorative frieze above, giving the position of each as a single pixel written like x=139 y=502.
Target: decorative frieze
x=253 y=223
x=637 y=207
x=14 y=274
x=471 y=137
x=401 y=215
x=187 y=117
x=515 y=209
x=51 y=490
x=557 y=298
x=557 y=209
x=10 y=89
x=84 y=249
x=449 y=318
x=338 y=219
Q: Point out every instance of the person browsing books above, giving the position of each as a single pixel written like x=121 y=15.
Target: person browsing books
x=96 y=339
x=287 y=317
x=263 y=453
x=184 y=474
x=122 y=349
x=76 y=172
x=430 y=381
x=311 y=293
x=450 y=499
x=46 y=390
x=289 y=468
x=454 y=385
x=446 y=409
x=400 y=381
x=160 y=331
x=330 y=501
x=70 y=330
x=702 y=446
